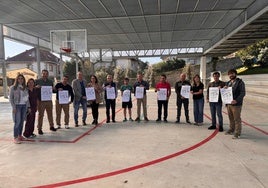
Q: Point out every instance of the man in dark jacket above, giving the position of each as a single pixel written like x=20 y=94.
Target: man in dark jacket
x=234 y=109
x=181 y=100
x=110 y=101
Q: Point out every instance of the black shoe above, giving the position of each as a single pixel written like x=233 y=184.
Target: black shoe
x=220 y=129
x=188 y=121
x=165 y=120
x=93 y=122
x=84 y=123
x=178 y=121
x=212 y=127
x=137 y=119
x=76 y=125
x=158 y=120
x=40 y=132
x=53 y=129
x=113 y=121
x=146 y=119
x=96 y=122
x=107 y=121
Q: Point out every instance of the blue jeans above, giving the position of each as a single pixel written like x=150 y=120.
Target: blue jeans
x=216 y=108
x=198 y=110
x=18 y=119
x=76 y=104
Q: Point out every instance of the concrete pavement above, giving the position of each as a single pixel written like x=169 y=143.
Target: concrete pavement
x=145 y=154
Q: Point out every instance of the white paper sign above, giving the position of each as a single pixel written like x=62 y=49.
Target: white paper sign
x=162 y=94
x=63 y=97
x=214 y=93
x=139 y=92
x=126 y=96
x=46 y=93
x=185 y=91
x=110 y=91
x=90 y=93
x=227 y=95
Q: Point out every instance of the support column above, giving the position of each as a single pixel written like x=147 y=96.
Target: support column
x=38 y=59
x=61 y=67
x=2 y=61
x=203 y=69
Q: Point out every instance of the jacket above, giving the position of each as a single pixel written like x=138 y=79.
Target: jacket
x=77 y=89
x=98 y=90
x=15 y=97
x=239 y=91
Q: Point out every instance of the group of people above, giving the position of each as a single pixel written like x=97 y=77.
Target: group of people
x=36 y=95
x=234 y=107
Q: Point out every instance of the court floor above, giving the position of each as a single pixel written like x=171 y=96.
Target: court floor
x=131 y=154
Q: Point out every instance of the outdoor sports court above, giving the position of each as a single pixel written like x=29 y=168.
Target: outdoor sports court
x=131 y=154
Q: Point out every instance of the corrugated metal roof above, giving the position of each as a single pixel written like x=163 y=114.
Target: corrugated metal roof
x=145 y=24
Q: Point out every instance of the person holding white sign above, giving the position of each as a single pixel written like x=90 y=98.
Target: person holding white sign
x=163 y=90
x=64 y=92
x=79 y=89
x=126 y=91
x=215 y=102
x=234 y=109
x=181 y=100
x=141 y=97
x=110 y=95
x=94 y=104
x=44 y=105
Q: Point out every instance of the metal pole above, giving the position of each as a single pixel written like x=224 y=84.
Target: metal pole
x=61 y=67
x=203 y=69
x=38 y=59
x=2 y=61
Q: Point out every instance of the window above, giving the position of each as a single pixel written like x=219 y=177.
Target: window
x=50 y=68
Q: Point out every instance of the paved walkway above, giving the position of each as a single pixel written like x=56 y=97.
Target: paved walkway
x=131 y=155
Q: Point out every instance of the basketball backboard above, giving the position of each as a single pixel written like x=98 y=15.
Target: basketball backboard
x=68 y=41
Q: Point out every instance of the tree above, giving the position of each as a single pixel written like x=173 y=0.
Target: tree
x=263 y=57
x=169 y=65
x=252 y=50
x=69 y=68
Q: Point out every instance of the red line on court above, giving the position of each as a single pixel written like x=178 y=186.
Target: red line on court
x=117 y=172
x=67 y=141
x=252 y=126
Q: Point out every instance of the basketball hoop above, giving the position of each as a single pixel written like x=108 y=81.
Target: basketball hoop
x=66 y=50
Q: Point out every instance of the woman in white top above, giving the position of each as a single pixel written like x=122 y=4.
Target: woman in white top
x=19 y=100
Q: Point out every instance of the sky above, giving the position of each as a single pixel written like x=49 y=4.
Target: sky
x=13 y=48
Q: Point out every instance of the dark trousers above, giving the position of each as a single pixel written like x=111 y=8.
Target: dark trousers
x=29 y=125
x=216 y=108
x=165 y=105
x=185 y=103
x=95 y=110
x=110 y=103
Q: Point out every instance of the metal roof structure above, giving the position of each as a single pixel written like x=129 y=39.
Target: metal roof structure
x=142 y=27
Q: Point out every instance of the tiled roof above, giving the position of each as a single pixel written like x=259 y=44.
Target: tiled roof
x=30 y=56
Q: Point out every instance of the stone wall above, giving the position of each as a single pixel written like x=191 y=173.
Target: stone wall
x=222 y=66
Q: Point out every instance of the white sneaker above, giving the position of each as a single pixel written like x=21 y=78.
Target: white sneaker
x=67 y=127
x=236 y=136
